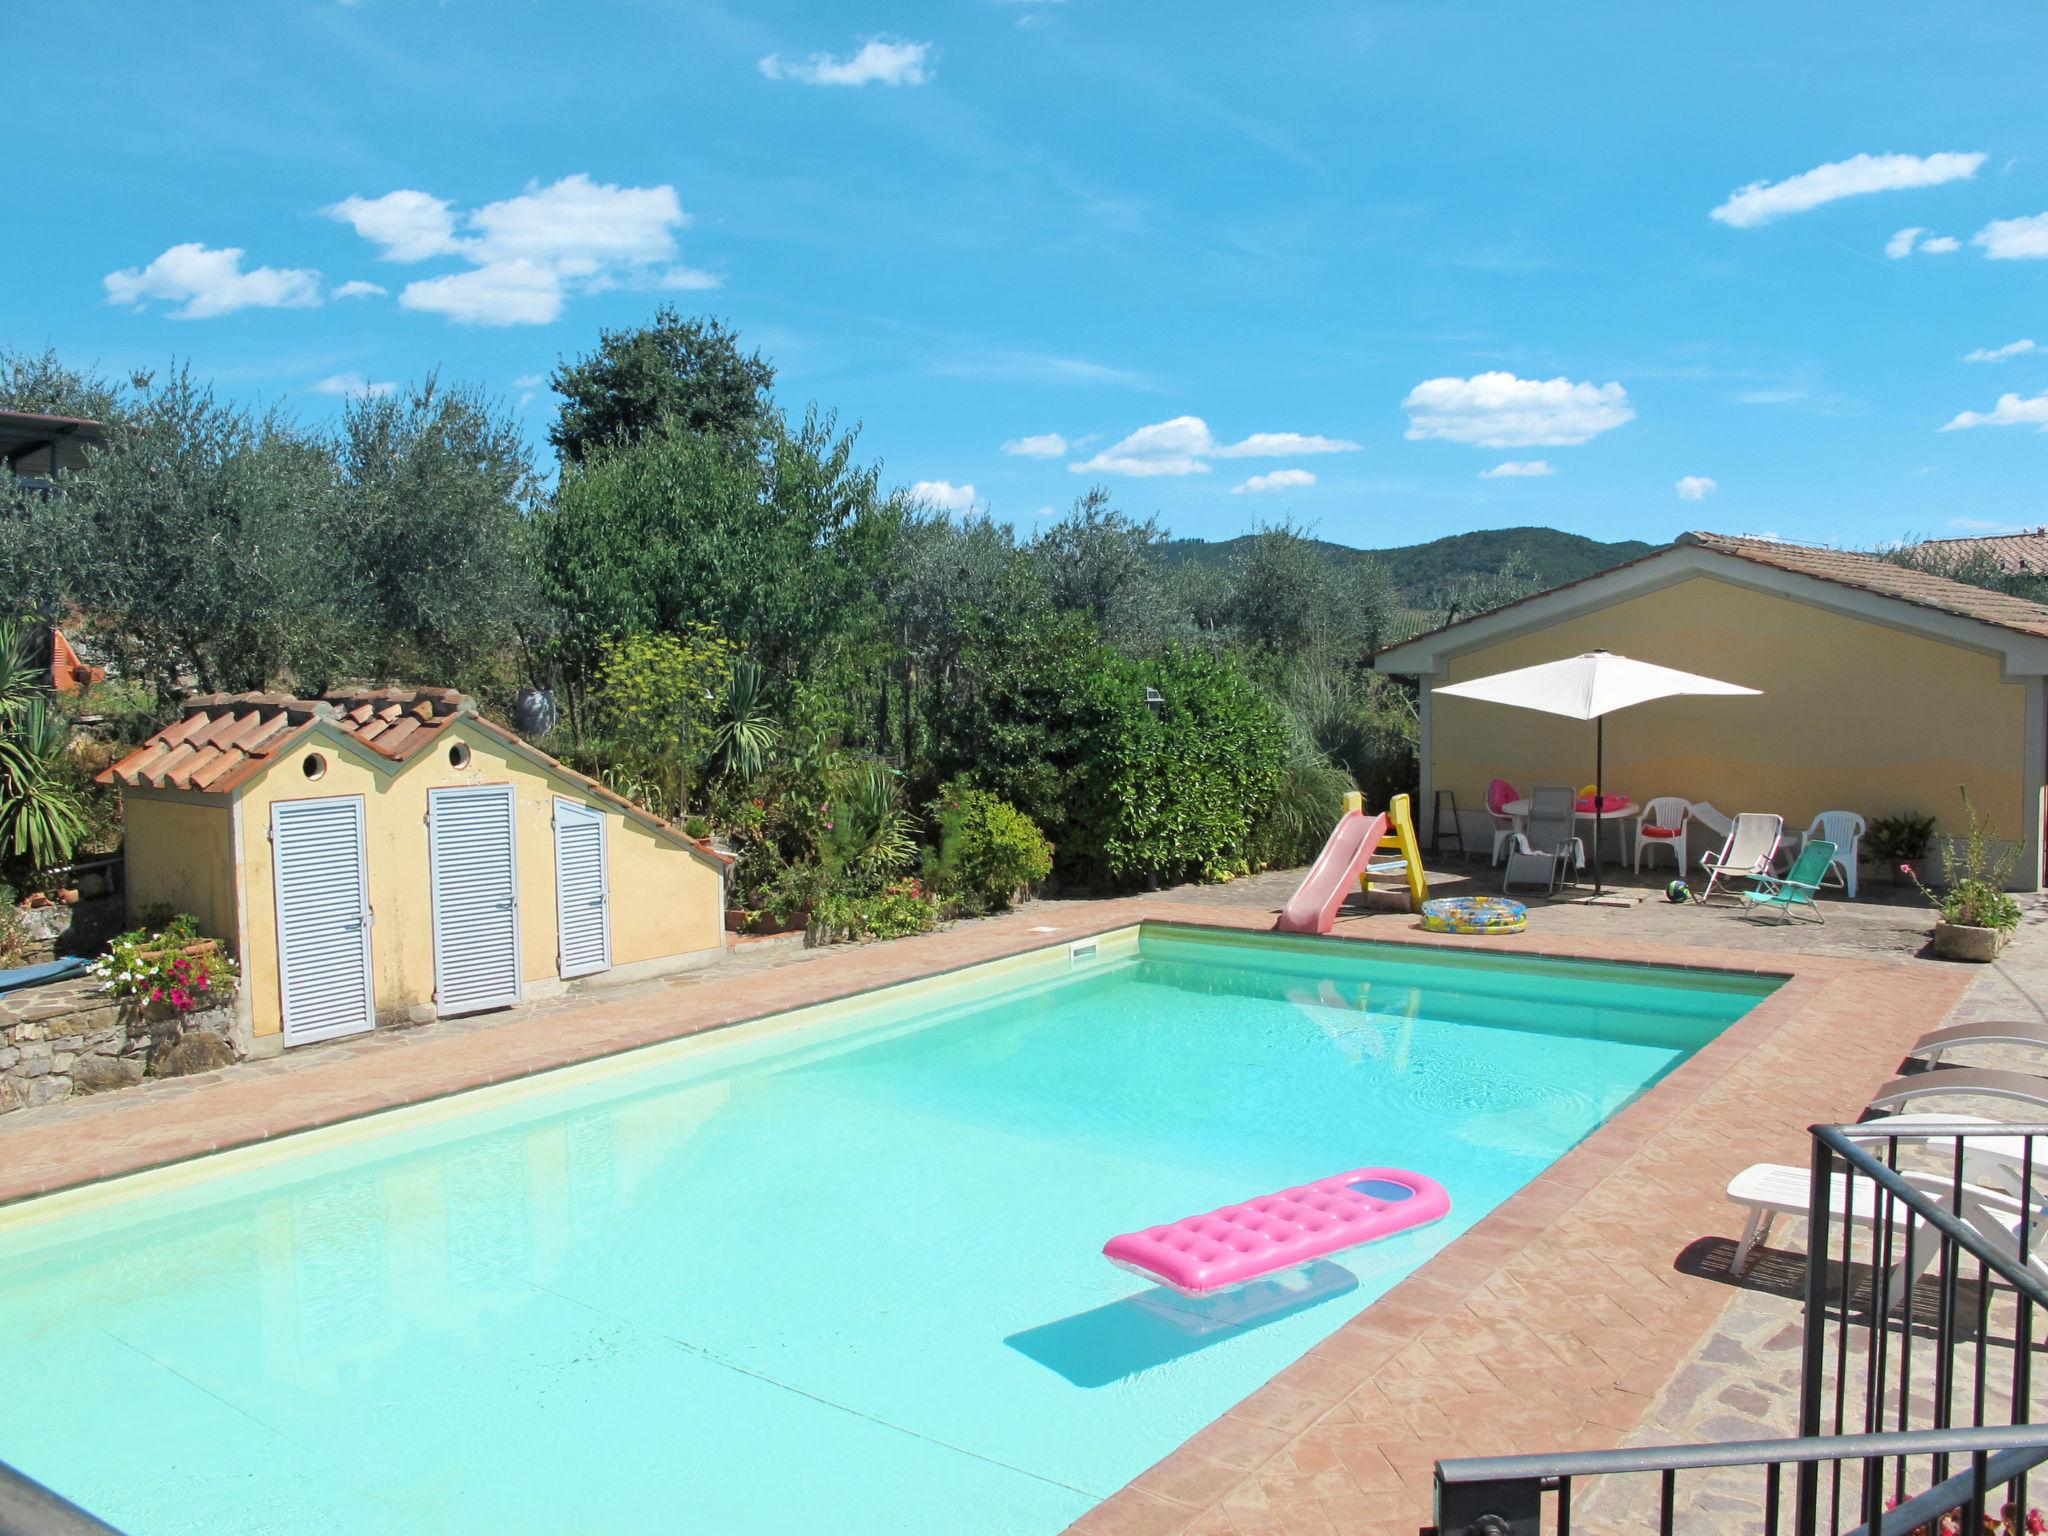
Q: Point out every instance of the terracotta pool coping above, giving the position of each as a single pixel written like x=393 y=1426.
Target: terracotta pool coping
x=1547 y=1325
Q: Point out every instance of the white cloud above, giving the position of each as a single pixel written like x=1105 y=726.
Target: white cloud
x=2011 y=411
x=2014 y=239
x=353 y=385
x=205 y=283
x=356 y=288
x=1182 y=446
x=578 y=224
x=1517 y=469
x=1762 y=201
x=1174 y=447
x=944 y=495
x=690 y=279
x=1902 y=244
x=529 y=381
x=1278 y=480
x=879 y=62
x=410 y=226
x=527 y=253
x=1498 y=410
x=1045 y=445
x=2018 y=348
x=1699 y=488
x=1280 y=445
x=502 y=293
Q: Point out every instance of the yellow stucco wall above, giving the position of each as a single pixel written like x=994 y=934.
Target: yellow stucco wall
x=665 y=900
x=182 y=851
x=1854 y=715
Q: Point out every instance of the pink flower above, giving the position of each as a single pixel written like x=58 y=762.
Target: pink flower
x=2037 y=1523
x=156 y=994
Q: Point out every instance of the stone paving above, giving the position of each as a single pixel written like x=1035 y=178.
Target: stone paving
x=1569 y=1317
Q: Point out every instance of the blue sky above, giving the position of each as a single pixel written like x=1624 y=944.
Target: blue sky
x=1204 y=252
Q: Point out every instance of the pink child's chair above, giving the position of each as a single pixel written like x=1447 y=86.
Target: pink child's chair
x=1498 y=794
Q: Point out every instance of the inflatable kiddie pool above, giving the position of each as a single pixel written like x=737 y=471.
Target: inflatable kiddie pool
x=1474 y=914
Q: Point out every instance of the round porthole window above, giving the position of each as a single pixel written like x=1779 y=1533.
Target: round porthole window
x=315 y=766
x=458 y=755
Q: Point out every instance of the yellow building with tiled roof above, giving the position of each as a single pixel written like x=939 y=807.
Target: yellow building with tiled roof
x=1884 y=690
x=388 y=855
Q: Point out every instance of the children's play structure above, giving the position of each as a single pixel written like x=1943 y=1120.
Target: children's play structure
x=1346 y=863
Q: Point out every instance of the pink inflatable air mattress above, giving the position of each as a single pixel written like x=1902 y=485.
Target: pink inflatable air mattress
x=1237 y=1243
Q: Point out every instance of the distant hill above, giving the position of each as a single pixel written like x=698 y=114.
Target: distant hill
x=1420 y=570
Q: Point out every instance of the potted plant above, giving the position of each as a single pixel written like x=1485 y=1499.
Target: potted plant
x=1977 y=916
x=1896 y=841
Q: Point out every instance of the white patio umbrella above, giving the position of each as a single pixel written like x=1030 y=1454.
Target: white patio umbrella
x=1589 y=687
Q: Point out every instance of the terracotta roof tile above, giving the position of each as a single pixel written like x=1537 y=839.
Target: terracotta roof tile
x=1843 y=567
x=225 y=740
x=2009 y=551
x=1887 y=578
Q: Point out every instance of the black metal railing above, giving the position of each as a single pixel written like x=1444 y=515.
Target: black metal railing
x=1923 y=1304
x=1533 y=1495
x=27 y=1508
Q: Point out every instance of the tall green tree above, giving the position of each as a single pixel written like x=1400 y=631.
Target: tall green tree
x=1101 y=563
x=779 y=546
x=435 y=488
x=44 y=383
x=673 y=371
x=210 y=537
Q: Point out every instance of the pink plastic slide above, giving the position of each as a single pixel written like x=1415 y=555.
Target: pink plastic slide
x=1334 y=875
x=1239 y=1243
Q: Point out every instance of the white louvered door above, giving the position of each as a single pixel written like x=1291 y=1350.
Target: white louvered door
x=474 y=859
x=323 y=918
x=582 y=889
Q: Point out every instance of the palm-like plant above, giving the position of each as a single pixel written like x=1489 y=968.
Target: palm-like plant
x=745 y=732
x=872 y=834
x=41 y=819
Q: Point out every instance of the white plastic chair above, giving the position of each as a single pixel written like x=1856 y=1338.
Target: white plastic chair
x=1663 y=826
x=1752 y=845
x=1845 y=830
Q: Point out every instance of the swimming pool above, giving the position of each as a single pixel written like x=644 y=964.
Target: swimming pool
x=839 y=1269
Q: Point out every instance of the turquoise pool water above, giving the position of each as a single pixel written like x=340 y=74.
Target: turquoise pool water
x=842 y=1274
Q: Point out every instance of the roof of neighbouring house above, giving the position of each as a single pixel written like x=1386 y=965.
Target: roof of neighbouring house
x=1873 y=574
x=224 y=741
x=25 y=432
x=2025 y=551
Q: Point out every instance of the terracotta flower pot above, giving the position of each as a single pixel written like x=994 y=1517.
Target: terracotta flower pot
x=1964 y=941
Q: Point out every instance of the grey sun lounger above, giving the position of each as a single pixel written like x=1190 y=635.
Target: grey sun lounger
x=1929 y=1047
x=1986 y=1082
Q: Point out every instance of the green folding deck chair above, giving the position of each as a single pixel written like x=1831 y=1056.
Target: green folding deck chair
x=1785 y=894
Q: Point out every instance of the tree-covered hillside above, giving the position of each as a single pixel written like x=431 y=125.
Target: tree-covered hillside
x=1422 y=573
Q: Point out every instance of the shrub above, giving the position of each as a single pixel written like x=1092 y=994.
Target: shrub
x=988 y=850
x=1059 y=724
x=658 y=693
x=1893 y=840
x=152 y=966
x=1976 y=896
x=900 y=909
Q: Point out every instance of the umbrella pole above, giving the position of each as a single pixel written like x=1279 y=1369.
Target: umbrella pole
x=1599 y=792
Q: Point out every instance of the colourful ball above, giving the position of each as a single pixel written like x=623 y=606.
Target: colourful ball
x=1678 y=890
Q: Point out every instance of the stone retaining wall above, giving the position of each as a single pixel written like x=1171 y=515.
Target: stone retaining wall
x=71 y=1038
